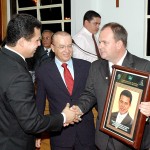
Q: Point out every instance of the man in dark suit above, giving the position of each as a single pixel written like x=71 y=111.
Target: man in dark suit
x=44 y=52
x=112 y=48
x=19 y=118
x=122 y=119
x=51 y=83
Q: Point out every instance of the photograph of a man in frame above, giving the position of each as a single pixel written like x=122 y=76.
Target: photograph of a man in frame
x=122 y=119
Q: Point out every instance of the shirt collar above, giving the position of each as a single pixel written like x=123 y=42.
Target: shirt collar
x=89 y=33
x=14 y=52
x=122 y=115
x=57 y=61
x=47 y=49
x=118 y=63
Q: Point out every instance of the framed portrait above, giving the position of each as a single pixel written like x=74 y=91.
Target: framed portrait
x=121 y=116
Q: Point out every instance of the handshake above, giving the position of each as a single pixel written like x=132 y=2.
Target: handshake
x=72 y=114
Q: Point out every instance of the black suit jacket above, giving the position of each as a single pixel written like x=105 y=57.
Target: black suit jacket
x=39 y=58
x=51 y=85
x=125 y=125
x=96 y=91
x=19 y=118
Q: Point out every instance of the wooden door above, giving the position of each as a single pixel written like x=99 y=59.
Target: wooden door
x=3 y=19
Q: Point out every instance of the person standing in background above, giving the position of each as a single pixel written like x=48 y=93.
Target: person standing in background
x=84 y=39
x=43 y=52
x=52 y=83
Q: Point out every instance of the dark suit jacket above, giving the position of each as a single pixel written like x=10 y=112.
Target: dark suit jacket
x=126 y=123
x=96 y=91
x=19 y=118
x=51 y=84
x=39 y=58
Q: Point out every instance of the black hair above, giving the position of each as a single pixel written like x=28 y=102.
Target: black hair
x=89 y=15
x=119 y=32
x=127 y=94
x=21 y=25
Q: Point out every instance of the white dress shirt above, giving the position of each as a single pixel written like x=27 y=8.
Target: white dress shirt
x=47 y=49
x=119 y=62
x=84 y=39
x=120 y=117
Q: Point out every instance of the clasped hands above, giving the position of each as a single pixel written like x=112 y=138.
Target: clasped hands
x=73 y=114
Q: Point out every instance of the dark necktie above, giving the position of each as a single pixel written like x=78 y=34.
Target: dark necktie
x=96 y=47
x=68 y=78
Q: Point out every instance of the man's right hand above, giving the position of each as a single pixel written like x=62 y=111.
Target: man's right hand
x=70 y=115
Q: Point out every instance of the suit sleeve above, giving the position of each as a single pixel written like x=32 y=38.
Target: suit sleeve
x=88 y=99
x=20 y=96
x=40 y=94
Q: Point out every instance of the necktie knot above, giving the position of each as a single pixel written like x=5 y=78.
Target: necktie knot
x=64 y=65
x=47 y=52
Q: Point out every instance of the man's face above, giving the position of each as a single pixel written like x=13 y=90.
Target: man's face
x=124 y=104
x=93 y=25
x=30 y=46
x=62 y=47
x=108 y=47
x=46 y=39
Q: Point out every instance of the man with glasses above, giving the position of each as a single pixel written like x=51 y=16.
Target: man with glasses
x=85 y=48
x=52 y=82
x=43 y=53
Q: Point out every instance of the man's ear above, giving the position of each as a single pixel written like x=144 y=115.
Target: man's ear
x=52 y=47
x=86 y=22
x=119 y=44
x=21 y=41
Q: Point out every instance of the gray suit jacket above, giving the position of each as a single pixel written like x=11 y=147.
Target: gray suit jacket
x=96 y=91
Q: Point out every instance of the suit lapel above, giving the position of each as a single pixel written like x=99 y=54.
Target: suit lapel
x=126 y=120
x=77 y=75
x=128 y=61
x=105 y=70
x=14 y=57
x=54 y=74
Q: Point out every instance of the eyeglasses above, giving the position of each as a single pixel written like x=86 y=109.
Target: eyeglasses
x=62 y=47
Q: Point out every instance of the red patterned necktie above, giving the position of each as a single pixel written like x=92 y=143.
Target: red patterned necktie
x=96 y=47
x=68 y=78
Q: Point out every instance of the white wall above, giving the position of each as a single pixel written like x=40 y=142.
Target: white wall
x=130 y=13
x=8 y=10
x=78 y=9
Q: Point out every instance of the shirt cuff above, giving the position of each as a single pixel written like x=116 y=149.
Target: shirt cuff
x=64 y=116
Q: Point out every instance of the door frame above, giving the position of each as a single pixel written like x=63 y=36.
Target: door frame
x=3 y=19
